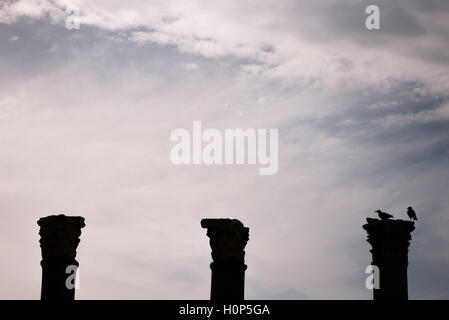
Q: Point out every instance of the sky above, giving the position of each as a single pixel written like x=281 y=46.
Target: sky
x=86 y=115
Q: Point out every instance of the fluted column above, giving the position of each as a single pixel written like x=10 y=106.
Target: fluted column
x=228 y=238
x=390 y=240
x=59 y=241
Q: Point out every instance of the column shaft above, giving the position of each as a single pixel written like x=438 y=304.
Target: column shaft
x=389 y=240
x=59 y=241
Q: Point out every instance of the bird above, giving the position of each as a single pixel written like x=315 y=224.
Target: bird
x=411 y=213
x=383 y=215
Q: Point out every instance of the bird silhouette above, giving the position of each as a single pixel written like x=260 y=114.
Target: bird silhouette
x=383 y=215
x=411 y=213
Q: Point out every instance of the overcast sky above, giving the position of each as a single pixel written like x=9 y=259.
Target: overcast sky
x=86 y=115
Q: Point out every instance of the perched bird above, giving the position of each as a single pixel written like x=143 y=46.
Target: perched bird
x=411 y=213
x=383 y=215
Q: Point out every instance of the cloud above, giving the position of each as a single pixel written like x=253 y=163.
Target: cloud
x=10 y=10
x=287 y=51
x=440 y=114
x=190 y=66
x=362 y=121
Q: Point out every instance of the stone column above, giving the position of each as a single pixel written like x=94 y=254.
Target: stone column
x=228 y=238
x=390 y=240
x=59 y=240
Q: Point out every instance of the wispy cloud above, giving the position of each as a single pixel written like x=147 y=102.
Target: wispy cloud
x=273 y=36
x=85 y=118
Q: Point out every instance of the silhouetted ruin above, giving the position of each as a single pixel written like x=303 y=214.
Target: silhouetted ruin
x=228 y=238
x=60 y=234
x=390 y=240
x=59 y=240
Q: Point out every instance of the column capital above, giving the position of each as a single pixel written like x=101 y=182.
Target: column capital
x=59 y=237
x=228 y=238
x=389 y=240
